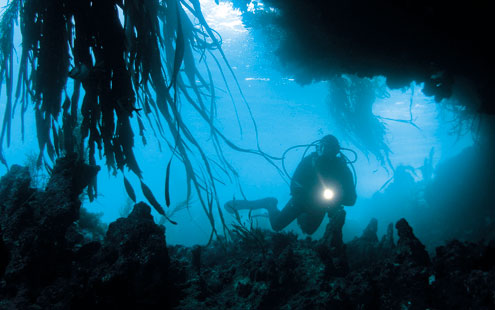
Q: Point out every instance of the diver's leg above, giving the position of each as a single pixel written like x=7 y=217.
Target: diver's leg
x=310 y=221
x=280 y=219
x=265 y=203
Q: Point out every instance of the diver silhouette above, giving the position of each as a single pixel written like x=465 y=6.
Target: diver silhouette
x=321 y=184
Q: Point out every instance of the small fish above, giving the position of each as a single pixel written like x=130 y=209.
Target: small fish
x=129 y=190
x=151 y=199
x=167 y=184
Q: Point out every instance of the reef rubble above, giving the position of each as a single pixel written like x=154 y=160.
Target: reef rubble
x=47 y=262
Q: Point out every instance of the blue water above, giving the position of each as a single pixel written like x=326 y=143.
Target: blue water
x=286 y=114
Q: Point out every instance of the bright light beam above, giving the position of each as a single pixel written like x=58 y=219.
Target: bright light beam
x=328 y=194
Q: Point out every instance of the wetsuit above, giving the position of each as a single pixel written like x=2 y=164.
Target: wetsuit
x=313 y=174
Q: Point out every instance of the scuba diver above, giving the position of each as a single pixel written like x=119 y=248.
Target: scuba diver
x=321 y=184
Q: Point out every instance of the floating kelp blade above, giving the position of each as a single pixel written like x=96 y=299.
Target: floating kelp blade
x=130 y=191
x=167 y=184
x=179 y=49
x=2 y=160
x=179 y=207
x=168 y=219
x=151 y=198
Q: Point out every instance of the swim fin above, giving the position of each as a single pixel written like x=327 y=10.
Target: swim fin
x=265 y=203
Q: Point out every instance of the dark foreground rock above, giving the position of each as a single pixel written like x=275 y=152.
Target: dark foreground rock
x=47 y=262
x=265 y=270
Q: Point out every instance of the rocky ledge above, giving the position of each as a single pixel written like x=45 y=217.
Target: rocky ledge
x=48 y=261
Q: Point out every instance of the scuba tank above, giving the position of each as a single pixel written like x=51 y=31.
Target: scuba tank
x=318 y=144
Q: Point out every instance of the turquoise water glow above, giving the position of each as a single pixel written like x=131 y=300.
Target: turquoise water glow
x=286 y=114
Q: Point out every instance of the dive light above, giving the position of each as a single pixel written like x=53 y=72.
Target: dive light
x=328 y=194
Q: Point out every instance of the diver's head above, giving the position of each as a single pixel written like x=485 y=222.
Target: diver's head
x=328 y=146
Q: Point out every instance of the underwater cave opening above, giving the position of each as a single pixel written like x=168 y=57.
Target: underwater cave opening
x=286 y=114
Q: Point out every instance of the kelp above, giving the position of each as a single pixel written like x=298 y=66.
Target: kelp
x=130 y=190
x=131 y=57
x=350 y=102
x=9 y=18
x=251 y=236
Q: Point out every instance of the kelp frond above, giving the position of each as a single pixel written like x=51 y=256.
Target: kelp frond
x=131 y=57
x=9 y=18
x=350 y=102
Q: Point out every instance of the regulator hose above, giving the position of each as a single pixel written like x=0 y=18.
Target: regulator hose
x=315 y=143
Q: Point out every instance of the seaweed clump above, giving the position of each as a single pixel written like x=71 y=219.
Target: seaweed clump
x=136 y=63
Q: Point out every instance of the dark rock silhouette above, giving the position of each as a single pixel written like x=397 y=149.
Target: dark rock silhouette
x=131 y=266
x=364 y=250
x=387 y=245
x=369 y=233
x=33 y=226
x=464 y=275
x=46 y=263
x=409 y=248
x=332 y=249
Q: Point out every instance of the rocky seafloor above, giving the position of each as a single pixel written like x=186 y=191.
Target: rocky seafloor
x=48 y=260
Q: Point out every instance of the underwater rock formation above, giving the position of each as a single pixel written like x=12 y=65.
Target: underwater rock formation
x=404 y=41
x=130 y=268
x=299 y=274
x=465 y=275
x=409 y=248
x=364 y=250
x=387 y=245
x=46 y=263
x=33 y=225
x=332 y=249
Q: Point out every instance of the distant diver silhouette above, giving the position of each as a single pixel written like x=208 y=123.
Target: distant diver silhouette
x=321 y=184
